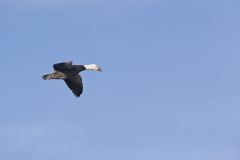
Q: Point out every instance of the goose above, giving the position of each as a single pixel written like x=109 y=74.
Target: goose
x=70 y=74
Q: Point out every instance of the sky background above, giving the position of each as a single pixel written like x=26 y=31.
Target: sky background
x=170 y=87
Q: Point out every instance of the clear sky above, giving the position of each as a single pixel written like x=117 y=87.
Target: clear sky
x=170 y=88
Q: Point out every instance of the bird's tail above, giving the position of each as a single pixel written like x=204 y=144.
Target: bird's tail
x=47 y=76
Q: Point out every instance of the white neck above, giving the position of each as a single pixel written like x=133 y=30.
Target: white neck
x=91 y=67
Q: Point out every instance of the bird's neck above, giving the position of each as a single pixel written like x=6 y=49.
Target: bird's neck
x=89 y=67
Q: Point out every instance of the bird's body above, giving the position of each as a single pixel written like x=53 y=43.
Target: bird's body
x=70 y=74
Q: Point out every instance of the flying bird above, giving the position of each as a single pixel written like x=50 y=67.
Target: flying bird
x=70 y=74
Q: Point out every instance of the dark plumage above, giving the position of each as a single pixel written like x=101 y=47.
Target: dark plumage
x=70 y=74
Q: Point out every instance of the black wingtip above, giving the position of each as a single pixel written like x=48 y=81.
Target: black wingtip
x=77 y=95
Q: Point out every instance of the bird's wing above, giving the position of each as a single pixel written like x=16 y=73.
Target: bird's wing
x=75 y=84
x=63 y=66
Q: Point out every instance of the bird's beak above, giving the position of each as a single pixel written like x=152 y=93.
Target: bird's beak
x=100 y=69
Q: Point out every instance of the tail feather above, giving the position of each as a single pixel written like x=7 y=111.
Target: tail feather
x=47 y=76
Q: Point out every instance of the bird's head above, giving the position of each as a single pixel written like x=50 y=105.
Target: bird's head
x=93 y=67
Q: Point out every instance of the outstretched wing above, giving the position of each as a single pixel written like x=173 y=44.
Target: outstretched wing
x=75 y=84
x=63 y=66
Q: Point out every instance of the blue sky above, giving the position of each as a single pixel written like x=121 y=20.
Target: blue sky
x=170 y=87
